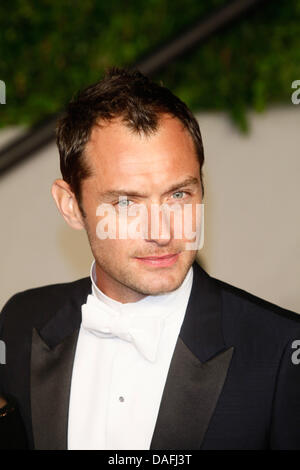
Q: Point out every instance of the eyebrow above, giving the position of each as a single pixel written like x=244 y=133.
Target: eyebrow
x=190 y=181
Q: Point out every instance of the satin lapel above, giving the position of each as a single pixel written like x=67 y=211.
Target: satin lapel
x=51 y=372
x=189 y=399
x=52 y=357
x=197 y=371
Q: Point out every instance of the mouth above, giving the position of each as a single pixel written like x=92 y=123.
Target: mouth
x=160 y=261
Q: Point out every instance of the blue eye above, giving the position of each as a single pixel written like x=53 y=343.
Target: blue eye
x=123 y=203
x=181 y=193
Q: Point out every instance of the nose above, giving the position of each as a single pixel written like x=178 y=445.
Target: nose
x=159 y=225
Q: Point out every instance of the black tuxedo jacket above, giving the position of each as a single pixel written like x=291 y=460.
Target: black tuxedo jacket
x=233 y=382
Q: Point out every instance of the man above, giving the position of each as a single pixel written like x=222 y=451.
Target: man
x=149 y=352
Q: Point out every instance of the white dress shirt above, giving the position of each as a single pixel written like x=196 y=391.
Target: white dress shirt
x=115 y=391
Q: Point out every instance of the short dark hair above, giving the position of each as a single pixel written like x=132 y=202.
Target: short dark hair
x=121 y=93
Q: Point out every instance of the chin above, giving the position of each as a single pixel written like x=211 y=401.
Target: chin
x=160 y=286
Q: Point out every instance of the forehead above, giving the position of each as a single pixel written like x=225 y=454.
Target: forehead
x=119 y=154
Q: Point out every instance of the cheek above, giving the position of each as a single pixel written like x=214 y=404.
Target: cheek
x=114 y=251
x=111 y=224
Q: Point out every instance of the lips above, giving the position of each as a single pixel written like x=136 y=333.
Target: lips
x=160 y=261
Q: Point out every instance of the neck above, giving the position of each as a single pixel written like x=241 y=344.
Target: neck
x=114 y=289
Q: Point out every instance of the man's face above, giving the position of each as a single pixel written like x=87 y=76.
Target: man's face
x=161 y=168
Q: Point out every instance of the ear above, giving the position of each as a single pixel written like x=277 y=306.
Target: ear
x=67 y=204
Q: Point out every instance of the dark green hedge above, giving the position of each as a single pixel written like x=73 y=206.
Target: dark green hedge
x=51 y=48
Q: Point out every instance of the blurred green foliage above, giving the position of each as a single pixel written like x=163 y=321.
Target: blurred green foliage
x=51 y=48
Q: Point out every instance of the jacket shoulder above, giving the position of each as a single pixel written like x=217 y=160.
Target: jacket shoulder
x=35 y=306
x=246 y=314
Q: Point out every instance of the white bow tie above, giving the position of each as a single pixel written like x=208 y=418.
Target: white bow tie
x=143 y=331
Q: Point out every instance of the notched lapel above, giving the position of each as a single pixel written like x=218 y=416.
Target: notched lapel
x=51 y=372
x=190 y=396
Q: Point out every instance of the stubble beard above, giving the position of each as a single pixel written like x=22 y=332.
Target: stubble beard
x=137 y=280
x=134 y=280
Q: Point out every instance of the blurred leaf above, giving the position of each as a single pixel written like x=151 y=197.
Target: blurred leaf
x=51 y=48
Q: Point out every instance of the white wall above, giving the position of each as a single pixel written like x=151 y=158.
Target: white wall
x=252 y=204
x=252 y=225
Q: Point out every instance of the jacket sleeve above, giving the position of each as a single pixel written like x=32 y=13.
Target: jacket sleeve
x=285 y=425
